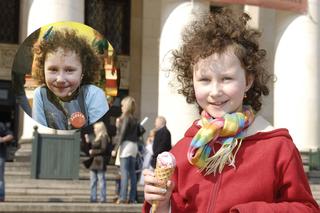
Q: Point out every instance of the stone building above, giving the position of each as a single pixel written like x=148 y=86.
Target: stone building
x=150 y=28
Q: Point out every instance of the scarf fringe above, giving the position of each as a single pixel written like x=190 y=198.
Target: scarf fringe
x=222 y=157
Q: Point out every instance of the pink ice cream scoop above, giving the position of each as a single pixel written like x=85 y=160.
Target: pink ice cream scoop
x=166 y=164
x=166 y=159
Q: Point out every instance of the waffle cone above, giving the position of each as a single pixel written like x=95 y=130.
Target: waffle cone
x=163 y=174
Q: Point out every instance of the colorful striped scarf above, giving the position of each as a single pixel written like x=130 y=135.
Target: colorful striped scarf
x=227 y=130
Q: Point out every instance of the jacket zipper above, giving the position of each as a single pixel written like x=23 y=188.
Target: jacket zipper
x=214 y=194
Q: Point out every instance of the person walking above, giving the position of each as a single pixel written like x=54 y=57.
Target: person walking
x=162 y=139
x=6 y=136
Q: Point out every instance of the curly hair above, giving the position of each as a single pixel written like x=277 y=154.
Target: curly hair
x=66 y=39
x=215 y=33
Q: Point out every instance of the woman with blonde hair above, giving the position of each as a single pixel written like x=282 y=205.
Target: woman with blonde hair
x=128 y=133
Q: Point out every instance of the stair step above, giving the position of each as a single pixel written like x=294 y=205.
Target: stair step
x=15 y=207
x=27 y=165
x=85 y=189
x=314 y=174
x=50 y=191
x=60 y=198
x=42 y=183
x=25 y=173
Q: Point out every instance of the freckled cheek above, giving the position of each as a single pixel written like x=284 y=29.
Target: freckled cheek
x=75 y=82
x=201 y=94
x=236 y=93
x=49 y=79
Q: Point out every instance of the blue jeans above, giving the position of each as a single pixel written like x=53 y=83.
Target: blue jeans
x=2 y=165
x=128 y=171
x=94 y=176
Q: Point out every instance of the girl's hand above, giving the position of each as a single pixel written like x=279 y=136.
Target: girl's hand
x=113 y=153
x=154 y=193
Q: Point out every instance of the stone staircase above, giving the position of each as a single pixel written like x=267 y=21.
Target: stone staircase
x=313 y=177
x=24 y=194
x=314 y=180
x=20 y=187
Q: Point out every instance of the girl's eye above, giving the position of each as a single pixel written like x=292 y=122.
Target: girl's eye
x=204 y=79
x=69 y=70
x=227 y=78
x=53 y=69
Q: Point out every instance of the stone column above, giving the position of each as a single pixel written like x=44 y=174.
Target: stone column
x=39 y=12
x=33 y=15
x=297 y=70
x=136 y=39
x=180 y=115
x=265 y=21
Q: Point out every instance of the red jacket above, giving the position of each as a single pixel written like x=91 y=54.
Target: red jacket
x=269 y=177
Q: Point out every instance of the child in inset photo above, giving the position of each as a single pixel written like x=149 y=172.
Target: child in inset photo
x=231 y=159
x=66 y=66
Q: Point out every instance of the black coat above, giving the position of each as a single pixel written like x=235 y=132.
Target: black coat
x=98 y=158
x=161 y=143
x=4 y=131
x=129 y=130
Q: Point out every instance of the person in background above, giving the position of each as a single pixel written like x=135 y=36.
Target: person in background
x=162 y=139
x=149 y=150
x=21 y=66
x=147 y=155
x=115 y=153
x=6 y=136
x=127 y=139
x=97 y=163
x=110 y=118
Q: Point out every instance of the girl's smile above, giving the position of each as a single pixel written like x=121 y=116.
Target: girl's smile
x=63 y=72
x=220 y=83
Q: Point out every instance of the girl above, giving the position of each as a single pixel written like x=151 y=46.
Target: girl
x=232 y=159
x=98 y=161
x=66 y=66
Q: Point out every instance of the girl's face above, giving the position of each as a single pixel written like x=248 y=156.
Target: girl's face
x=220 y=83
x=63 y=72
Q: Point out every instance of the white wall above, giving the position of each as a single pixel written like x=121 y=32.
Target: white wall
x=179 y=114
x=297 y=68
x=33 y=15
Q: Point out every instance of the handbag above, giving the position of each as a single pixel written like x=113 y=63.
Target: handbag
x=87 y=163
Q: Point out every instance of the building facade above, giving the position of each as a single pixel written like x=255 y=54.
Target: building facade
x=290 y=38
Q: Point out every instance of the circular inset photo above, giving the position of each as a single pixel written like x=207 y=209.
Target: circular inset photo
x=62 y=74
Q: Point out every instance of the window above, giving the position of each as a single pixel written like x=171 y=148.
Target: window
x=9 y=21
x=112 y=19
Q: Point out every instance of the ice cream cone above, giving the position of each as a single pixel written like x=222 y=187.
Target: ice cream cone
x=163 y=175
x=163 y=171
